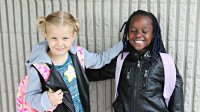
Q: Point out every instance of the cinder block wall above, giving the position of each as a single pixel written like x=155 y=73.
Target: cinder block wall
x=100 y=23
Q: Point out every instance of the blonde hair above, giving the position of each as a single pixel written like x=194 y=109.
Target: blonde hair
x=58 y=18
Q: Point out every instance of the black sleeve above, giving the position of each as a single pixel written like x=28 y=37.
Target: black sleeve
x=106 y=72
x=176 y=103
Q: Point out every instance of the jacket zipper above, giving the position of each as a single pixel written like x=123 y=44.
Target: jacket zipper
x=136 y=91
x=128 y=77
x=138 y=65
x=145 y=78
x=69 y=106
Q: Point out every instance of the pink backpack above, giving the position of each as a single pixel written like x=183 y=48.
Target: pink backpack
x=44 y=71
x=169 y=71
x=22 y=106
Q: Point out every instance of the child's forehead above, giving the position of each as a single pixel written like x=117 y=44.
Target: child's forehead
x=51 y=25
x=60 y=27
x=141 y=17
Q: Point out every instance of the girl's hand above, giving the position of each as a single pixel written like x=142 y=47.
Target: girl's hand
x=56 y=97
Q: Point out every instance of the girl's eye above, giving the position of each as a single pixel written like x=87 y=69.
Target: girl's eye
x=144 y=31
x=65 y=38
x=133 y=31
x=53 y=38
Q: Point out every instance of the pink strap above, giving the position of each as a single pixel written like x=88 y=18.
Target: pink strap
x=80 y=55
x=170 y=76
x=43 y=69
x=45 y=72
x=118 y=69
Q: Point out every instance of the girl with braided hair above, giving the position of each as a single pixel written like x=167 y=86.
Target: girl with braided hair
x=141 y=83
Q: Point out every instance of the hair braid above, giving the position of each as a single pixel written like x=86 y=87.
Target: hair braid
x=157 y=43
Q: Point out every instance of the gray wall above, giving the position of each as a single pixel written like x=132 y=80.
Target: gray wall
x=100 y=24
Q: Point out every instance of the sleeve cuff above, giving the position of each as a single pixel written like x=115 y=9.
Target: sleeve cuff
x=46 y=104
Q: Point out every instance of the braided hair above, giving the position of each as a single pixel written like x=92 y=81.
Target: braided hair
x=156 y=44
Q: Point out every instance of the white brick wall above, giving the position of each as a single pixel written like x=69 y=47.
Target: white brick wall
x=100 y=21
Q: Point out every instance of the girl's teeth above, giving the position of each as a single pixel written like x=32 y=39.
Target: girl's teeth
x=139 y=42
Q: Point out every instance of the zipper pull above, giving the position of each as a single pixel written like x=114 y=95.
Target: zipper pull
x=146 y=74
x=145 y=78
x=129 y=87
x=138 y=65
x=128 y=76
x=49 y=89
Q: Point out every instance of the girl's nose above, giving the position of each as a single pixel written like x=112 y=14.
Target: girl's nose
x=139 y=34
x=59 y=42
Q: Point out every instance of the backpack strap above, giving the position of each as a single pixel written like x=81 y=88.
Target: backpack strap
x=43 y=72
x=43 y=69
x=119 y=64
x=81 y=56
x=170 y=76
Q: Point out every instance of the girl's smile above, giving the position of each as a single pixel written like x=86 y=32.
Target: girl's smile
x=140 y=32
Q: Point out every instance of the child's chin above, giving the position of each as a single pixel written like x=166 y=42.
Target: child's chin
x=61 y=53
x=139 y=49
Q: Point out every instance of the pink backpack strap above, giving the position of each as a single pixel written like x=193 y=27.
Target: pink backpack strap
x=45 y=73
x=119 y=64
x=170 y=76
x=81 y=56
x=43 y=69
x=22 y=106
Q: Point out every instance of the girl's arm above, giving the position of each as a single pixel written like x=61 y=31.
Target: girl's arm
x=106 y=72
x=37 y=99
x=97 y=60
x=176 y=103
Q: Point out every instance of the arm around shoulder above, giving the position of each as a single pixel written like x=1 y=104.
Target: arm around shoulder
x=97 y=60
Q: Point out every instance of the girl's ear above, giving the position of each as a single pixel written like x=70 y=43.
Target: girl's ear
x=75 y=34
x=45 y=35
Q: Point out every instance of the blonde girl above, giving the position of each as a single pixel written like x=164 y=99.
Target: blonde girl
x=58 y=51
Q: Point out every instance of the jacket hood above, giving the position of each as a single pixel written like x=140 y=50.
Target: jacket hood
x=39 y=54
